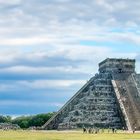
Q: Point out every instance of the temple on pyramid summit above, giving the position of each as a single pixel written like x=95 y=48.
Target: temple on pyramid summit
x=110 y=99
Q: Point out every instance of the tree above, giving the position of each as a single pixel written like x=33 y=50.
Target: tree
x=5 y=119
x=35 y=120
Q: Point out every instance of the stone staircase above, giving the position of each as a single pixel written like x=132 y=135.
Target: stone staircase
x=129 y=100
x=94 y=106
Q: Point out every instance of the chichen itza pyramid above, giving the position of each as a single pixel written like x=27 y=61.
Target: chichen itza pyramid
x=109 y=99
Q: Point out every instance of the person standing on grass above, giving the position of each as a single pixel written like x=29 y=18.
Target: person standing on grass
x=134 y=129
x=84 y=130
x=113 y=130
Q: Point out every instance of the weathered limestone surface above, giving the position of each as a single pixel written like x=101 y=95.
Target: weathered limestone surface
x=129 y=91
x=109 y=99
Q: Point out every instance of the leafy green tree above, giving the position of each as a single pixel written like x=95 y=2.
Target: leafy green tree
x=40 y=119
x=35 y=120
x=5 y=119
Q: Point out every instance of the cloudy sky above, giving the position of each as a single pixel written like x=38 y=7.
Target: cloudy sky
x=50 y=48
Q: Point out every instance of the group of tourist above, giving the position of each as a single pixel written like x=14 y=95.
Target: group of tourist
x=97 y=130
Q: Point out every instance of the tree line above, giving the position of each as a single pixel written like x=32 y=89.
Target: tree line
x=27 y=121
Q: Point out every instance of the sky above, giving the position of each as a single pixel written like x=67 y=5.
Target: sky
x=50 y=48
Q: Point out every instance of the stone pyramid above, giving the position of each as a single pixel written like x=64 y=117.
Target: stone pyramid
x=109 y=99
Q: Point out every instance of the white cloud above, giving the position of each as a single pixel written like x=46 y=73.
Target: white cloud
x=105 y=4
x=62 y=38
x=40 y=70
x=10 y=1
x=24 y=41
x=42 y=84
x=29 y=103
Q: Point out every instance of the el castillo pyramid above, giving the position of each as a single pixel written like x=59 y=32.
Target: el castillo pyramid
x=109 y=99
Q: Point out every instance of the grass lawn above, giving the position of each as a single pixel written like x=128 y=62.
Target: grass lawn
x=65 y=135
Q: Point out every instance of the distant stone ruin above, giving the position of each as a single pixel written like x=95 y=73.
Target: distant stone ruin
x=110 y=99
x=9 y=126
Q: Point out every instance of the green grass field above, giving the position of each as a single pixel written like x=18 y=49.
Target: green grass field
x=60 y=135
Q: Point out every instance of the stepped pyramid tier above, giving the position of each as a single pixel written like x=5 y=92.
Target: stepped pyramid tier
x=110 y=99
